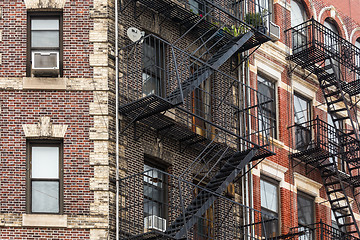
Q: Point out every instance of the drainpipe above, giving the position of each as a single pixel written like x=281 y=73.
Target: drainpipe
x=249 y=166
x=117 y=114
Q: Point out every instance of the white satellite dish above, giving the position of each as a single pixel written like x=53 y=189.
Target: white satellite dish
x=135 y=34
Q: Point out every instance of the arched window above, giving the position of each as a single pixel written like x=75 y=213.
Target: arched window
x=298 y=16
x=298 y=13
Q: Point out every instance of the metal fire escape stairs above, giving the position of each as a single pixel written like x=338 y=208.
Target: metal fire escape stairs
x=205 y=199
x=339 y=97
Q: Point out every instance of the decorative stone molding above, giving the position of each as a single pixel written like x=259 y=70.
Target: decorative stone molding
x=47 y=4
x=44 y=83
x=44 y=220
x=307 y=185
x=44 y=129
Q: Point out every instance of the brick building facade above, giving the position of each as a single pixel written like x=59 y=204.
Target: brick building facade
x=229 y=127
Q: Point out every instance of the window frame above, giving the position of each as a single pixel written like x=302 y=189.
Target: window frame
x=29 y=179
x=271 y=115
x=312 y=199
x=43 y=15
x=159 y=74
x=277 y=185
x=164 y=198
x=299 y=125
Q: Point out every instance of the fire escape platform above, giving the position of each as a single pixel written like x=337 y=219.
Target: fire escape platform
x=307 y=55
x=145 y=107
x=312 y=155
x=172 y=127
x=178 y=13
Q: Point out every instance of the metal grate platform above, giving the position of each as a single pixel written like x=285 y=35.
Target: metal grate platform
x=352 y=88
x=145 y=107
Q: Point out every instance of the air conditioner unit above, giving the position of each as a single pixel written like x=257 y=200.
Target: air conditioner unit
x=154 y=222
x=274 y=31
x=45 y=64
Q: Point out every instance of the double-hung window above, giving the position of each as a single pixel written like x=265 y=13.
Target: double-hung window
x=44 y=46
x=302 y=117
x=270 y=207
x=306 y=216
x=153 y=63
x=267 y=101
x=154 y=199
x=44 y=177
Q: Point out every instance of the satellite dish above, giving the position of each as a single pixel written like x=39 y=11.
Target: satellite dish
x=135 y=34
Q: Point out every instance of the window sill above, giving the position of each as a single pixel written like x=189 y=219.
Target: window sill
x=44 y=83
x=44 y=220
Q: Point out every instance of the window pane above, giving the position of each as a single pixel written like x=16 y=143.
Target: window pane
x=45 y=39
x=267 y=121
x=301 y=109
x=45 y=162
x=45 y=197
x=269 y=198
x=45 y=24
x=305 y=210
x=298 y=14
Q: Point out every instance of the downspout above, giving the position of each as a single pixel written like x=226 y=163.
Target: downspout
x=117 y=115
x=249 y=177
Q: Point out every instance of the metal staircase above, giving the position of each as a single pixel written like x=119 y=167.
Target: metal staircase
x=329 y=56
x=204 y=200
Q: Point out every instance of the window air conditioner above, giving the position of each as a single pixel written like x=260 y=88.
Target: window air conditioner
x=45 y=64
x=154 y=222
x=274 y=31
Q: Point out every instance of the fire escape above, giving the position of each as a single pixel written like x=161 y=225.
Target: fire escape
x=331 y=148
x=223 y=123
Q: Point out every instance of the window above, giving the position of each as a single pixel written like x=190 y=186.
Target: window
x=269 y=206
x=334 y=142
x=331 y=42
x=44 y=45
x=334 y=223
x=305 y=206
x=301 y=118
x=153 y=74
x=154 y=198
x=298 y=16
x=44 y=177
x=265 y=9
x=201 y=104
x=204 y=226
x=267 y=120
x=197 y=7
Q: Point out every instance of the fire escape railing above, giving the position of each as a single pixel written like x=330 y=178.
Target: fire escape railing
x=316 y=140
x=320 y=231
x=320 y=43
x=143 y=213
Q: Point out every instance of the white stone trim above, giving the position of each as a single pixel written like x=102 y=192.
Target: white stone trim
x=38 y=4
x=307 y=185
x=44 y=220
x=44 y=129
